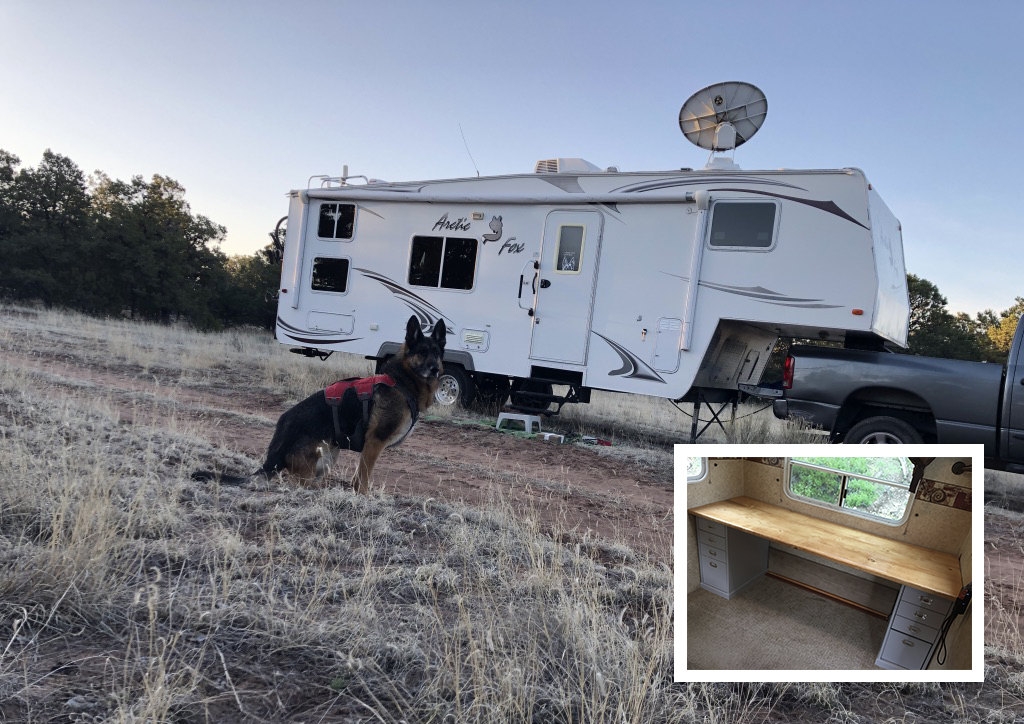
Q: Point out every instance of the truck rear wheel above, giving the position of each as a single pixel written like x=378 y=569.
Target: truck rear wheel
x=883 y=431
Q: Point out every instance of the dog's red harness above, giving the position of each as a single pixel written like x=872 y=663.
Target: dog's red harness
x=362 y=389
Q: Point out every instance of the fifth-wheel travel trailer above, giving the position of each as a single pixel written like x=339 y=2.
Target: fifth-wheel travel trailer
x=663 y=283
x=816 y=562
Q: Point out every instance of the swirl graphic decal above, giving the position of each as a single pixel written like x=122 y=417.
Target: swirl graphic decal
x=632 y=366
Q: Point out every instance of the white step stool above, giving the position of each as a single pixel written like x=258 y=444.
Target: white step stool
x=528 y=420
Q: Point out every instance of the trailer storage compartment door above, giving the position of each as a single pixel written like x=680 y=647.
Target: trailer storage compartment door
x=565 y=286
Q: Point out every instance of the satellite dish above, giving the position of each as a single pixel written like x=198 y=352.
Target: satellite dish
x=723 y=116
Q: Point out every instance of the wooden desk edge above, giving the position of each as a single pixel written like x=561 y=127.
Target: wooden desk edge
x=923 y=586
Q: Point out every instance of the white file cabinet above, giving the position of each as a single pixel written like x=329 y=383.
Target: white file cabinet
x=730 y=559
x=913 y=629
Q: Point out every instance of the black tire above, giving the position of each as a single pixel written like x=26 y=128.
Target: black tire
x=455 y=386
x=492 y=389
x=883 y=431
x=530 y=386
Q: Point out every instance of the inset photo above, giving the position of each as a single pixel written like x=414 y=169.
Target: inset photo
x=829 y=563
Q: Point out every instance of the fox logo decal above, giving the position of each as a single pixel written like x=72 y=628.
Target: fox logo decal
x=496 y=228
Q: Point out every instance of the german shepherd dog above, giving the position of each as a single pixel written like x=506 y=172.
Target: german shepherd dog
x=305 y=441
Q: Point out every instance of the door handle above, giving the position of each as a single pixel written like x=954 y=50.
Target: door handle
x=522 y=281
x=545 y=283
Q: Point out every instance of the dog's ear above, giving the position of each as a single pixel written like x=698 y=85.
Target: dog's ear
x=439 y=333
x=413 y=333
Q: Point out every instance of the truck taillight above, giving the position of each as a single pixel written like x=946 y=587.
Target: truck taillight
x=787 y=373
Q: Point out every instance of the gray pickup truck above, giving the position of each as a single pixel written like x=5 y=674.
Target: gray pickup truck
x=880 y=397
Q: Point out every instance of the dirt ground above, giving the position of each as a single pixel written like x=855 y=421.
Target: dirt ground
x=585 y=490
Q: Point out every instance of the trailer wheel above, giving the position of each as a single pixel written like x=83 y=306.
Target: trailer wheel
x=454 y=386
x=492 y=389
x=543 y=388
x=883 y=431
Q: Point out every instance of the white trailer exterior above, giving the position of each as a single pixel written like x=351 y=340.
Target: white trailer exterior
x=656 y=283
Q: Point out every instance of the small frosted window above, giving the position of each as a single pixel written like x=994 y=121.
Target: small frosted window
x=569 y=253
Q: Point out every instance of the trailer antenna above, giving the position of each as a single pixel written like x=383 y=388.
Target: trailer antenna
x=723 y=116
x=468 y=151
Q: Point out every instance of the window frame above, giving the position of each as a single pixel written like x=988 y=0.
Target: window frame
x=348 y=274
x=748 y=249
x=703 y=472
x=440 y=270
x=355 y=218
x=788 y=480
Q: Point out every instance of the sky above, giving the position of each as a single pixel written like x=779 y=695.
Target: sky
x=242 y=102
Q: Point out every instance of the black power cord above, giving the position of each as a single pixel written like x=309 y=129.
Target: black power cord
x=959 y=606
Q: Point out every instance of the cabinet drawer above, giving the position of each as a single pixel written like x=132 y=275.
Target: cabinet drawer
x=714 y=554
x=715 y=573
x=925 y=601
x=912 y=628
x=711 y=526
x=712 y=539
x=923 y=616
x=905 y=651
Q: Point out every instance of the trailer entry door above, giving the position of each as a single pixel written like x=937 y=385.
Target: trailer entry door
x=565 y=287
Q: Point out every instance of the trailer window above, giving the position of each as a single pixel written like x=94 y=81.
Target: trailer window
x=336 y=221
x=444 y=262
x=330 y=275
x=569 y=250
x=876 y=488
x=743 y=224
x=696 y=469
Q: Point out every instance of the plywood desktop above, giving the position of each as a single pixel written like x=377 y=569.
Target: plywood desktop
x=909 y=565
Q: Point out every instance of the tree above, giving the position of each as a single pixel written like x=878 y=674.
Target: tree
x=251 y=293
x=45 y=223
x=934 y=332
x=10 y=219
x=1000 y=331
x=155 y=253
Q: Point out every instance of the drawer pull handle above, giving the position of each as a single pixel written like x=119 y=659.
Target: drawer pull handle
x=712 y=564
x=713 y=553
x=915 y=629
x=712 y=538
x=925 y=600
x=920 y=615
x=908 y=643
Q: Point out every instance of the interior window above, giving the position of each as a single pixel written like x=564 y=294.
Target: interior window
x=336 y=221
x=444 y=262
x=696 y=469
x=876 y=488
x=569 y=250
x=330 y=274
x=743 y=224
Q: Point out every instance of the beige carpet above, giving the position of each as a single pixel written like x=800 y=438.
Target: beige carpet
x=775 y=625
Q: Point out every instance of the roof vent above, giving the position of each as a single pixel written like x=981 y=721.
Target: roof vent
x=565 y=165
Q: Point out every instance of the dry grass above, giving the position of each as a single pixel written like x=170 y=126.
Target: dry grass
x=178 y=602
x=129 y=593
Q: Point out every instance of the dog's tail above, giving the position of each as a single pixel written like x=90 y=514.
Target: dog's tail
x=220 y=477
